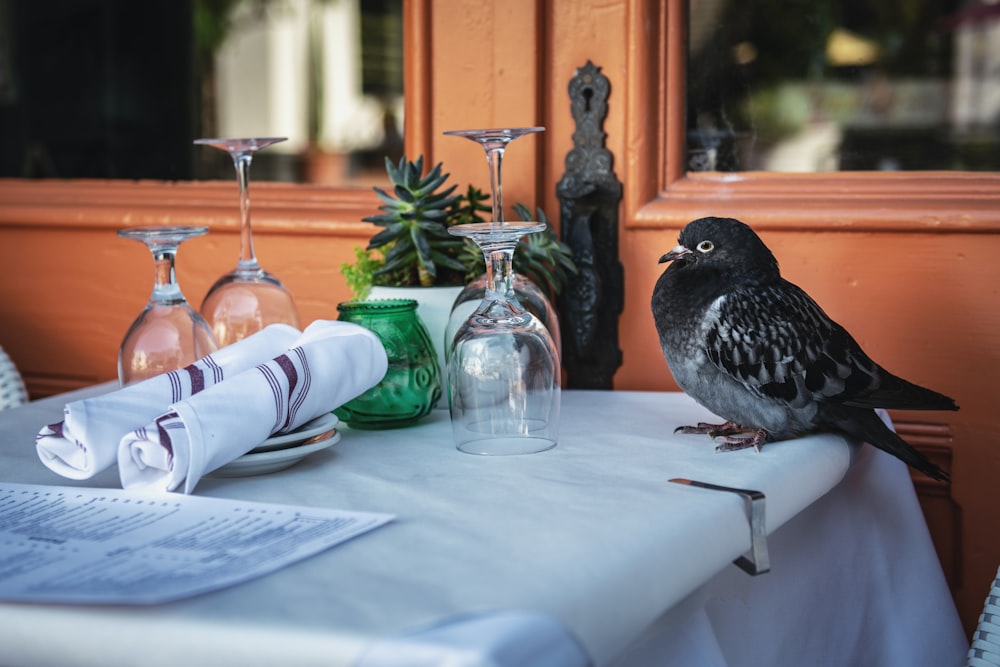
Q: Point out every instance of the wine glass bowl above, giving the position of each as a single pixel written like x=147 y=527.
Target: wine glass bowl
x=528 y=294
x=242 y=302
x=248 y=298
x=504 y=369
x=168 y=334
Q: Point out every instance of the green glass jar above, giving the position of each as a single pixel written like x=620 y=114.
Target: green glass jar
x=412 y=384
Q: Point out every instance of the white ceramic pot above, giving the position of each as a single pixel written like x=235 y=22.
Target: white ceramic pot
x=433 y=307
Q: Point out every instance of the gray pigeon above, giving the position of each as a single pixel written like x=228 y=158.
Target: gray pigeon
x=757 y=351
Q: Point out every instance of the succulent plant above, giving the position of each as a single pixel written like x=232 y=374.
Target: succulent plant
x=414 y=247
x=415 y=216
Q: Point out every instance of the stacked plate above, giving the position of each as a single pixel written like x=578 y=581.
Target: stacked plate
x=283 y=451
x=985 y=648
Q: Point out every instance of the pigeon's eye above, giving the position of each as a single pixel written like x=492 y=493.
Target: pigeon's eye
x=706 y=246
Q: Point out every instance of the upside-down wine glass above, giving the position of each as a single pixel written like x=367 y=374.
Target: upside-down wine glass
x=169 y=333
x=503 y=367
x=503 y=372
x=248 y=298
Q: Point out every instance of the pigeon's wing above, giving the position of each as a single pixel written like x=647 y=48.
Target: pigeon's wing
x=780 y=344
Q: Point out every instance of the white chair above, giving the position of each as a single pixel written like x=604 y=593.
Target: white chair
x=985 y=649
x=12 y=391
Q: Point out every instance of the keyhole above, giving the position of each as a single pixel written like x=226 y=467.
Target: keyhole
x=587 y=94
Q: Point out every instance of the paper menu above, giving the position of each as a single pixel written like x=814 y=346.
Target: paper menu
x=106 y=546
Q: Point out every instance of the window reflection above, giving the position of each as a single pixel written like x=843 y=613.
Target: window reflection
x=826 y=85
x=325 y=73
x=119 y=89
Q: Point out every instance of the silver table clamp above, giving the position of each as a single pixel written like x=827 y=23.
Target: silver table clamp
x=758 y=561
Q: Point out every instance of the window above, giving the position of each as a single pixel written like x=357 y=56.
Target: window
x=661 y=191
x=119 y=89
x=843 y=85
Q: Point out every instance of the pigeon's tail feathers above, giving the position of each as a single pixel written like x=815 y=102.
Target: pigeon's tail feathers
x=895 y=393
x=865 y=425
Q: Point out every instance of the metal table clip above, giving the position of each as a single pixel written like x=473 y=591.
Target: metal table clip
x=758 y=561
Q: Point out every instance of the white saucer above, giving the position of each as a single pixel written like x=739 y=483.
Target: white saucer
x=308 y=430
x=263 y=462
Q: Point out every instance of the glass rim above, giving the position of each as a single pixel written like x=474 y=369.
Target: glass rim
x=500 y=229
x=497 y=131
x=218 y=140
x=162 y=231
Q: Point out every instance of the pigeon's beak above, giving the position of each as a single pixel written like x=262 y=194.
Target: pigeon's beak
x=679 y=252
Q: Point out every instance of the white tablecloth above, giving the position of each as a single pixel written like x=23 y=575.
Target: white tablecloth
x=584 y=552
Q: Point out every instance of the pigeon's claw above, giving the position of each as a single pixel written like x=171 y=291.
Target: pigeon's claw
x=734 y=443
x=713 y=430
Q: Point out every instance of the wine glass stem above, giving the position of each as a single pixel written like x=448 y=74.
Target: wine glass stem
x=494 y=158
x=247 y=258
x=499 y=273
x=166 y=291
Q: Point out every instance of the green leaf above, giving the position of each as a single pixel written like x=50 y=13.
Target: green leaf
x=448 y=262
x=404 y=195
x=384 y=196
x=423 y=248
x=387 y=235
x=394 y=265
x=359 y=275
x=522 y=212
x=403 y=247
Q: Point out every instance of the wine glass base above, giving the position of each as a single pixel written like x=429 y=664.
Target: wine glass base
x=241 y=145
x=507 y=446
x=496 y=232
x=499 y=135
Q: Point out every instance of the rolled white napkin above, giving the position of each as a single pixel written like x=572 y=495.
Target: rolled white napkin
x=86 y=441
x=331 y=363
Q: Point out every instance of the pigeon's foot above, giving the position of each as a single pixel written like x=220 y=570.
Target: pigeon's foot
x=713 y=430
x=734 y=443
x=730 y=436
